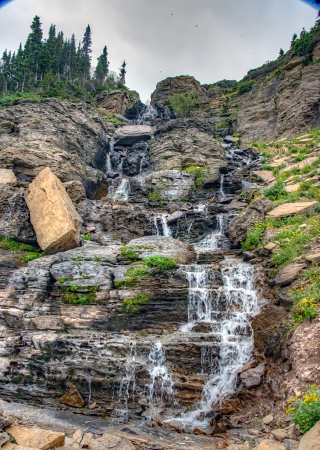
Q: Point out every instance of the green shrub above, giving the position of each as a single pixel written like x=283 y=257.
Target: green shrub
x=200 y=173
x=161 y=262
x=74 y=287
x=305 y=412
x=63 y=280
x=126 y=252
x=184 y=104
x=223 y=124
x=245 y=86
x=276 y=191
x=13 y=99
x=254 y=236
x=87 y=237
x=134 y=304
x=266 y=167
x=15 y=246
x=31 y=256
x=128 y=282
x=78 y=299
x=155 y=197
x=138 y=272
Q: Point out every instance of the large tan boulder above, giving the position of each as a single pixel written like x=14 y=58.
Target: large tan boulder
x=36 y=437
x=183 y=84
x=289 y=273
x=52 y=213
x=289 y=209
x=311 y=440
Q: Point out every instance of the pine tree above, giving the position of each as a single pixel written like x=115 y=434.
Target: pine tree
x=33 y=47
x=122 y=74
x=102 y=69
x=281 y=53
x=86 y=50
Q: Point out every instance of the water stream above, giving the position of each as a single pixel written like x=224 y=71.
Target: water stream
x=164 y=225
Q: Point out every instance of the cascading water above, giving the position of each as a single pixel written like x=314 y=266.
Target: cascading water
x=228 y=310
x=128 y=382
x=221 y=192
x=122 y=192
x=161 y=383
x=108 y=159
x=165 y=227
x=147 y=115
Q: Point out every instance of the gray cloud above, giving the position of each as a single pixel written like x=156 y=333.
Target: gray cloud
x=209 y=39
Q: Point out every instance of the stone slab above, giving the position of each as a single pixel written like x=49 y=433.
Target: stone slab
x=265 y=175
x=293 y=187
x=36 y=437
x=311 y=440
x=289 y=209
x=301 y=164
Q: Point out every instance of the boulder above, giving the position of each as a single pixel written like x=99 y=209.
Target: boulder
x=265 y=175
x=288 y=273
x=14 y=216
x=269 y=234
x=181 y=252
x=313 y=256
x=253 y=377
x=7 y=177
x=270 y=246
x=255 y=212
x=36 y=437
x=280 y=434
x=186 y=146
x=289 y=209
x=245 y=446
x=311 y=440
x=131 y=134
x=53 y=215
x=4 y=437
x=72 y=398
x=267 y=444
x=183 y=84
x=75 y=190
x=117 y=101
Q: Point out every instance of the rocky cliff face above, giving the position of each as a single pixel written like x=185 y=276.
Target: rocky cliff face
x=283 y=102
x=156 y=314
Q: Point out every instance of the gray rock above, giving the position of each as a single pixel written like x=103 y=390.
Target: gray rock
x=131 y=134
x=253 y=377
x=288 y=273
x=255 y=212
x=180 y=251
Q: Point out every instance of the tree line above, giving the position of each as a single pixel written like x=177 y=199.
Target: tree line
x=56 y=65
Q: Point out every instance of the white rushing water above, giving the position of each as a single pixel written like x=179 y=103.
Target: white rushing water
x=161 y=385
x=165 y=227
x=228 y=310
x=121 y=192
x=221 y=192
x=147 y=115
x=128 y=382
x=217 y=238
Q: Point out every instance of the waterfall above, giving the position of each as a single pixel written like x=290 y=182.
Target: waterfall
x=108 y=160
x=165 y=227
x=128 y=382
x=228 y=310
x=216 y=239
x=221 y=192
x=122 y=192
x=160 y=378
x=147 y=115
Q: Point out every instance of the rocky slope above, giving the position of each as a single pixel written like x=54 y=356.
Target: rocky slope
x=154 y=315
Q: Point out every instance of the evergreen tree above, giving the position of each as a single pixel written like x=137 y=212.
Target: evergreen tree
x=102 y=69
x=33 y=47
x=122 y=74
x=85 y=51
x=281 y=53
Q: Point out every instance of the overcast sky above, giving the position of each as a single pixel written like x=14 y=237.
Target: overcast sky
x=209 y=39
